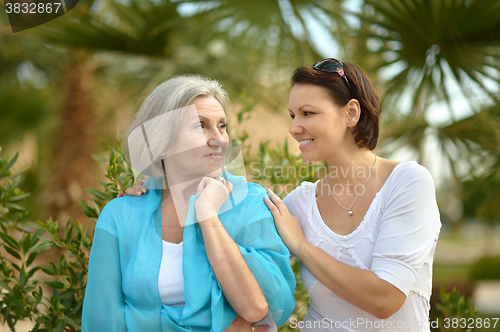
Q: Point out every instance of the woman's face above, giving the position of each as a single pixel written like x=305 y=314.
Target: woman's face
x=202 y=142
x=319 y=125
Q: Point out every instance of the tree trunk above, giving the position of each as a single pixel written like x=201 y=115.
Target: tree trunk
x=72 y=163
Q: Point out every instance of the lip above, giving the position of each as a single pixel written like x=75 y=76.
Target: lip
x=301 y=146
x=217 y=156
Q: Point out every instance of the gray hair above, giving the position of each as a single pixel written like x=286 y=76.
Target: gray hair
x=156 y=127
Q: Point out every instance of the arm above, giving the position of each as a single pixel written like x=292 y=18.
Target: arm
x=360 y=287
x=238 y=284
x=104 y=306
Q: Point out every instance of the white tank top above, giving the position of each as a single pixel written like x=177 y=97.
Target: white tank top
x=170 y=278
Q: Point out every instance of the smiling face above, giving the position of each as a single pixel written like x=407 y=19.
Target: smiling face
x=201 y=144
x=319 y=125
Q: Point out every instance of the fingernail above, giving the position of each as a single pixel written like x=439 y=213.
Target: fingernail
x=139 y=193
x=143 y=191
x=269 y=190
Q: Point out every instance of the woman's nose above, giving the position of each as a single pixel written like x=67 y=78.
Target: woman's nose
x=296 y=127
x=213 y=136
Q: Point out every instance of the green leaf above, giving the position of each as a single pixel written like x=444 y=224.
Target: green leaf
x=59 y=327
x=89 y=212
x=10 y=241
x=31 y=258
x=15 y=206
x=36 y=237
x=25 y=242
x=12 y=161
x=33 y=270
x=72 y=322
x=51 y=269
x=46 y=245
x=19 y=197
x=99 y=194
x=4 y=286
x=22 y=277
x=55 y=284
x=12 y=252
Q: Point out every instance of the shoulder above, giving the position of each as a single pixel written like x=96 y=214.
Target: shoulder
x=120 y=211
x=302 y=192
x=122 y=205
x=256 y=190
x=410 y=174
x=410 y=185
x=297 y=200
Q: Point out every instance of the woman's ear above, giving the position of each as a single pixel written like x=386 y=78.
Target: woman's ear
x=353 y=112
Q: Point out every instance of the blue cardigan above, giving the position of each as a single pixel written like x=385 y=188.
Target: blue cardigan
x=122 y=288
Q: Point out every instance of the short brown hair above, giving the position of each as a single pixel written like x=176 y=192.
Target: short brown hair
x=366 y=130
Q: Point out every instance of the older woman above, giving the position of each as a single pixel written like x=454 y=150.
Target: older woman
x=199 y=251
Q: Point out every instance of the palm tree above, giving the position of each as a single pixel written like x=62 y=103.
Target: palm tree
x=441 y=58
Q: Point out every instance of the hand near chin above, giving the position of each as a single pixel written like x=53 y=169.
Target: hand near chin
x=213 y=193
x=241 y=325
x=136 y=190
x=287 y=225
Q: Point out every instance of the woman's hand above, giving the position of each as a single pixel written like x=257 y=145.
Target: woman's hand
x=287 y=225
x=136 y=190
x=213 y=193
x=241 y=325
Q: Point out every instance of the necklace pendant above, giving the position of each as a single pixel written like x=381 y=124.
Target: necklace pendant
x=350 y=213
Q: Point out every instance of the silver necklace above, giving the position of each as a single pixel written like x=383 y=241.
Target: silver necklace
x=349 y=211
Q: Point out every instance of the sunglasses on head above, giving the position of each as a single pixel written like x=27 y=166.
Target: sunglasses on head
x=331 y=65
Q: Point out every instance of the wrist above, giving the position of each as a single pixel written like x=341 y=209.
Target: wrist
x=301 y=250
x=209 y=223
x=205 y=213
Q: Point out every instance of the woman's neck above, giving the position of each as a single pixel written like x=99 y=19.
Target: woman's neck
x=353 y=167
x=176 y=199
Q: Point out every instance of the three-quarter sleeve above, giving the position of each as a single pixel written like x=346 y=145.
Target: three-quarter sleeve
x=408 y=229
x=104 y=306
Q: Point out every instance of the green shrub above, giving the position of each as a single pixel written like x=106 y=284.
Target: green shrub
x=487 y=267
x=23 y=284
x=454 y=309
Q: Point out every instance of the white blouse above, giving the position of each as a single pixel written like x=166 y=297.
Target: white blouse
x=170 y=278
x=396 y=241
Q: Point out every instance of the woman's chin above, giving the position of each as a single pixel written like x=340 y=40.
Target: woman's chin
x=309 y=159
x=216 y=173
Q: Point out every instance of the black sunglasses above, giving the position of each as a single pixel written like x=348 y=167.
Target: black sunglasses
x=331 y=65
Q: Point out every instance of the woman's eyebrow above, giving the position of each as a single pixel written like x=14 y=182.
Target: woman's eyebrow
x=301 y=107
x=205 y=119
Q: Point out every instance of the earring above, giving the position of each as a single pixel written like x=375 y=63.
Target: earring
x=351 y=129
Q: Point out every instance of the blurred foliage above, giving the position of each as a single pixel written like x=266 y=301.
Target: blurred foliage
x=485 y=268
x=437 y=65
x=454 y=309
x=48 y=294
